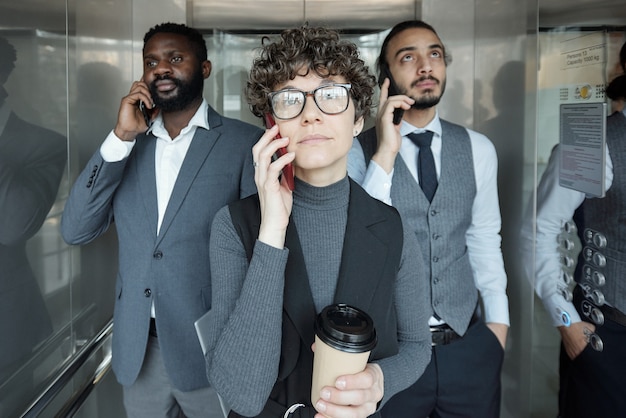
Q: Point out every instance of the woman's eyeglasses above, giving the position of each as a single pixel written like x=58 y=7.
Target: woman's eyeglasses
x=331 y=99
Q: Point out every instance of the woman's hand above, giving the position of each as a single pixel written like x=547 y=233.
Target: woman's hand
x=354 y=396
x=274 y=195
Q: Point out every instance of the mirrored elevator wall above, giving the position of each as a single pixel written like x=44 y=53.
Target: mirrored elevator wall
x=68 y=64
x=75 y=59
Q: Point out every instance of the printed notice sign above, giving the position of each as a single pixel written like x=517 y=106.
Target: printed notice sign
x=583 y=141
x=583 y=51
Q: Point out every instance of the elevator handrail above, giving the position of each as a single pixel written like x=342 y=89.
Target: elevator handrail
x=68 y=371
x=52 y=343
x=73 y=404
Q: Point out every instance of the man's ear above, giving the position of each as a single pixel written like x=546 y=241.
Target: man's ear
x=206 y=69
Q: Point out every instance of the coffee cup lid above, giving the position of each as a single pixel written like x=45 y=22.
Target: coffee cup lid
x=346 y=328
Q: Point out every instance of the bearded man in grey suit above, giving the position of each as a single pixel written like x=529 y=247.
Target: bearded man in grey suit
x=161 y=178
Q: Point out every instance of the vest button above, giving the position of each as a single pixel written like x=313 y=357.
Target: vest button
x=436 y=236
x=158 y=255
x=147 y=293
x=599 y=240
x=599 y=260
x=435 y=259
x=436 y=280
x=433 y=212
x=598 y=278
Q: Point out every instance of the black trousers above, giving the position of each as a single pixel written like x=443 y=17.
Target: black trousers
x=462 y=380
x=594 y=383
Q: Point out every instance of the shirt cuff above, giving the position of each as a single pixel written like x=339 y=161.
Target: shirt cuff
x=496 y=309
x=113 y=149
x=561 y=311
x=378 y=183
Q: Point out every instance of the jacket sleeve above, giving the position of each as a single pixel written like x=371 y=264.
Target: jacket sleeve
x=88 y=211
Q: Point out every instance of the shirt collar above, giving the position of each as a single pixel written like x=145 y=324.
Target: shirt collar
x=434 y=125
x=199 y=119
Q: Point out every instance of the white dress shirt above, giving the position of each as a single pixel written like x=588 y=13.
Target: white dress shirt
x=555 y=206
x=168 y=157
x=483 y=236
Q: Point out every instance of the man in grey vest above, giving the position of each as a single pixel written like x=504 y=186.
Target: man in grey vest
x=443 y=182
x=592 y=318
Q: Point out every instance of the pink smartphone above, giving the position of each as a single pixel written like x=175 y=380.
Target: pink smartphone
x=288 y=169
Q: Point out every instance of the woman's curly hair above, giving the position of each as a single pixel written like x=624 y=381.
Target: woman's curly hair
x=305 y=49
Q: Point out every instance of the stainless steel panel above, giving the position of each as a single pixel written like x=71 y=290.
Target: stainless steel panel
x=581 y=13
x=361 y=14
x=277 y=14
x=34 y=285
x=247 y=14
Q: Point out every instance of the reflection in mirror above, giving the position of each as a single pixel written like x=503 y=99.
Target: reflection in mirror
x=32 y=161
x=576 y=64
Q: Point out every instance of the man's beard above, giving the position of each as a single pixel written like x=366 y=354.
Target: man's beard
x=186 y=92
x=429 y=99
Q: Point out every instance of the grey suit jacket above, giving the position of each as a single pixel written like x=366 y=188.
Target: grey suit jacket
x=171 y=269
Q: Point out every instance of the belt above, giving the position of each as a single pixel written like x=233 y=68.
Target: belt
x=153 y=331
x=613 y=314
x=609 y=312
x=443 y=334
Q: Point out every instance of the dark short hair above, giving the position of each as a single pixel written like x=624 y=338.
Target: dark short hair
x=622 y=57
x=381 y=62
x=193 y=36
x=8 y=56
x=316 y=49
x=616 y=90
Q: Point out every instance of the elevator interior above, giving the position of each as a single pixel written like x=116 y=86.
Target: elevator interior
x=75 y=59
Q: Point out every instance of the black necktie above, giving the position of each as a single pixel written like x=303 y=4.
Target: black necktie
x=425 y=163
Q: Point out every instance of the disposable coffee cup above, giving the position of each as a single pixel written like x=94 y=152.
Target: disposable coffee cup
x=344 y=338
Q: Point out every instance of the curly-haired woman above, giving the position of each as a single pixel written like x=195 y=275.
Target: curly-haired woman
x=279 y=257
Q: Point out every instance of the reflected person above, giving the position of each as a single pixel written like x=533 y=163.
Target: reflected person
x=592 y=365
x=615 y=92
x=161 y=181
x=32 y=160
x=99 y=88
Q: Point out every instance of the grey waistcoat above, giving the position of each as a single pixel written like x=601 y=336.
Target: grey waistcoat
x=608 y=217
x=441 y=225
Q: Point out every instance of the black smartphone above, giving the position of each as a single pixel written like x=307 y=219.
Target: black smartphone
x=393 y=91
x=288 y=169
x=146 y=114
